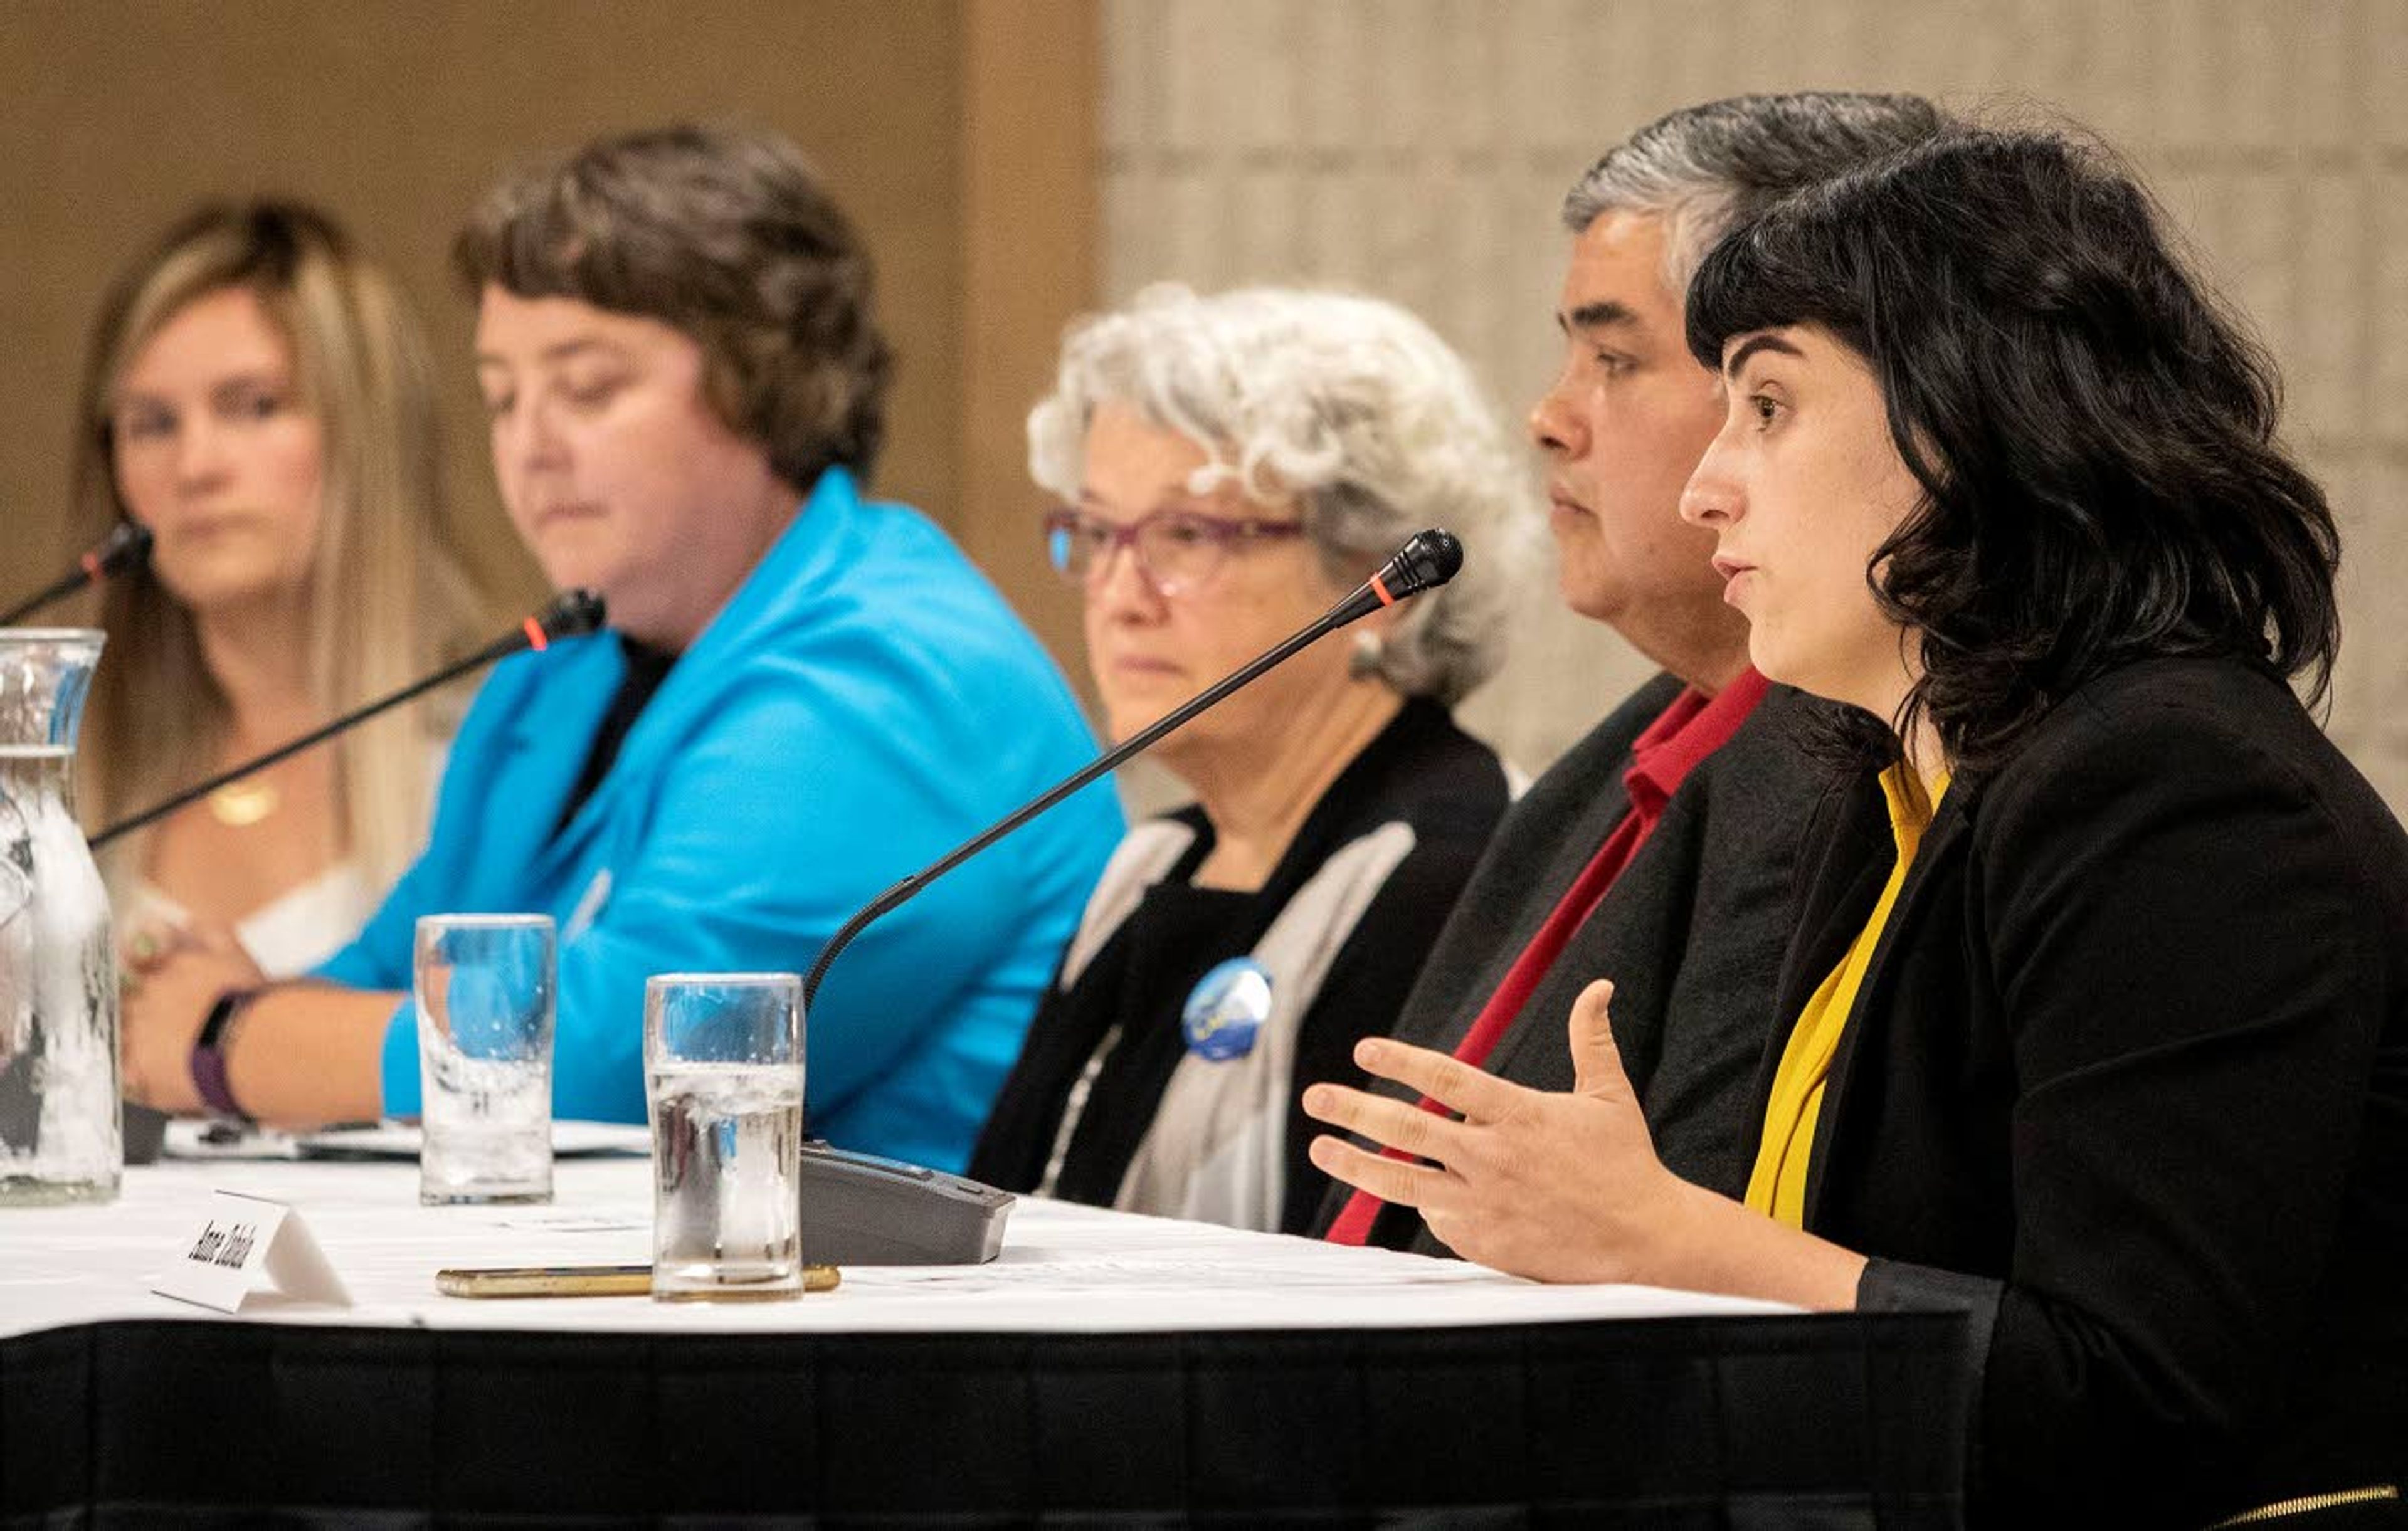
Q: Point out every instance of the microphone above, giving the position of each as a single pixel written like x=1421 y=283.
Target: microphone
x=127 y=546
x=1427 y=560
x=571 y=614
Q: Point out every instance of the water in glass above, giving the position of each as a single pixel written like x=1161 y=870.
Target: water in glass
x=485 y=987
x=488 y=1130
x=60 y=1133
x=726 y=1205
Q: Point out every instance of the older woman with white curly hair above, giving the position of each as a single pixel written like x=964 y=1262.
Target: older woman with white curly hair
x=1229 y=467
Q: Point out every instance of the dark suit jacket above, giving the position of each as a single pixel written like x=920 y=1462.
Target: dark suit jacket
x=1691 y=933
x=2128 y=1081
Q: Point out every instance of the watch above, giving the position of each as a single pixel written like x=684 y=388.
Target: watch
x=209 y=1053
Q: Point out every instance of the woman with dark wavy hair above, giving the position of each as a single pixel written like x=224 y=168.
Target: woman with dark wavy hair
x=2101 y=1002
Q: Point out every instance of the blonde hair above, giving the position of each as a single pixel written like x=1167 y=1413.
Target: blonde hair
x=388 y=600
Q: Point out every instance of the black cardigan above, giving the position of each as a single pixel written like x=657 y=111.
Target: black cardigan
x=2128 y=1081
x=1421 y=772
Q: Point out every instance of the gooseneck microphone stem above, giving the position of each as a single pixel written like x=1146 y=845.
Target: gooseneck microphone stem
x=127 y=544
x=43 y=597
x=905 y=890
x=285 y=751
x=1425 y=562
x=578 y=611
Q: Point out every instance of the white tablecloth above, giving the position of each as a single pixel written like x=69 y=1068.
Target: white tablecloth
x=1064 y=1269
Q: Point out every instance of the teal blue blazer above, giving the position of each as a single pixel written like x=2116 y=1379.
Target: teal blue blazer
x=864 y=703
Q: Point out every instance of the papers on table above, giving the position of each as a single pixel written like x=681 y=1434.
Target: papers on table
x=388 y=1139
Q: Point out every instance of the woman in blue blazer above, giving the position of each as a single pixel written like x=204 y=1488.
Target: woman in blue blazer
x=804 y=695
x=2101 y=1006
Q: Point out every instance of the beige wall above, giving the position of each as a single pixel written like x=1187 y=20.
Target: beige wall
x=392 y=114
x=1418 y=149
x=1415 y=147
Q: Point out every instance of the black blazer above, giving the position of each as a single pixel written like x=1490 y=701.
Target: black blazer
x=1692 y=934
x=2128 y=1081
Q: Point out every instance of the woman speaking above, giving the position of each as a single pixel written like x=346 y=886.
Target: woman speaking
x=2100 y=1000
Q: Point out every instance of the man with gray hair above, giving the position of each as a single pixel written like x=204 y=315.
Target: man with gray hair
x=1659 y=850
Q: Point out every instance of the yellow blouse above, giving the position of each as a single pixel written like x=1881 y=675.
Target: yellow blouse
x=1778 y=1185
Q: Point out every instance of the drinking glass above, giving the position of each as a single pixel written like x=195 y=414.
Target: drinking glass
x=59 y=1125
x=484 y=984
x=724 y=1078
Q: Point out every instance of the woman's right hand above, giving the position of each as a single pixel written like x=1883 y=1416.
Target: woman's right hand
x=1559 y=1187
x=1564 y=1187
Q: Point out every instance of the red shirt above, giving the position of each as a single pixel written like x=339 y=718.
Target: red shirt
x=1661 y=758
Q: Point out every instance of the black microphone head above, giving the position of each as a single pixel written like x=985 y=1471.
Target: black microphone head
x=127 y=546
x=1426 y=561
x=573 y=613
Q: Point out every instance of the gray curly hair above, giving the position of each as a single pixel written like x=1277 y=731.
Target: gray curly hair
x=1348 y=405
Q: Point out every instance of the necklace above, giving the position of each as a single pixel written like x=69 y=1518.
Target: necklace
x=239 y=804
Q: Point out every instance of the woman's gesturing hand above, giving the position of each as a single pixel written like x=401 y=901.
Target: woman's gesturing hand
x=1559 y=1187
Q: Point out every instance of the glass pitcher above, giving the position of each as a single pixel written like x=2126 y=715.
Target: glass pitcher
x=60 y=1135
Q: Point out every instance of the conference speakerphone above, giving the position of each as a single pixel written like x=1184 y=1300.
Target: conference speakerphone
x=858 y=1209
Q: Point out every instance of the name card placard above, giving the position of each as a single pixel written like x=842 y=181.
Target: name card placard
x=236 y=1241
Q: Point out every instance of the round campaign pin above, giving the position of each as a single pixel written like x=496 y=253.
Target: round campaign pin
x=1226 y=1008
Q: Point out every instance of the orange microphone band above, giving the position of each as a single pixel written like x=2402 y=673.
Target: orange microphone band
x=1382 y=591
x=536 y=639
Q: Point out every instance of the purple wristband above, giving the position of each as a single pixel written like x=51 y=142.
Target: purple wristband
x=208 y=1053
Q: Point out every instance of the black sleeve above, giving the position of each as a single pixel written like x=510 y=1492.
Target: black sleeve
x=2187 y=956
x=1894 y=1286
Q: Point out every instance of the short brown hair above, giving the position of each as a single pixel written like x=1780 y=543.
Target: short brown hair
x=727 y=235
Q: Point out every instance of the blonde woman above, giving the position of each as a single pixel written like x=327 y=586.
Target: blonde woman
x=257 y=395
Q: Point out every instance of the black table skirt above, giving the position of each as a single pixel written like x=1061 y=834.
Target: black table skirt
x=1829 y=1421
